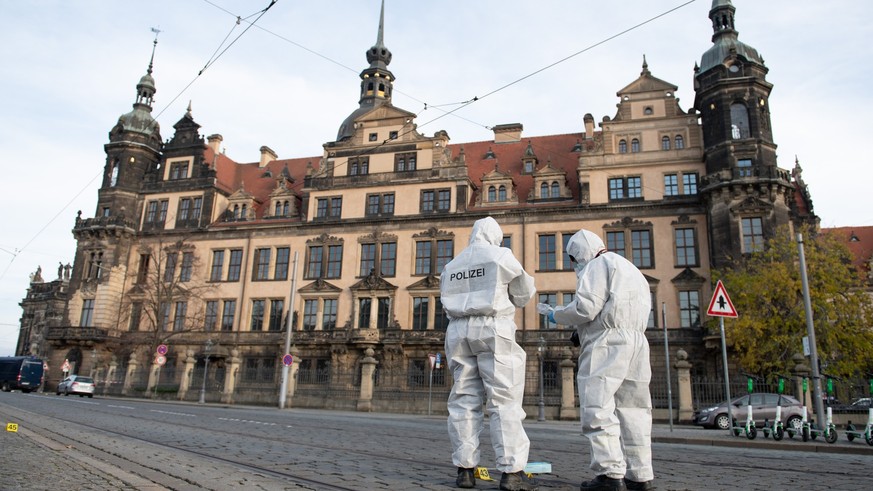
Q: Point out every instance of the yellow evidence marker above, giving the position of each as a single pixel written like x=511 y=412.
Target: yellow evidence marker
x=13 y=427
x=482 y=474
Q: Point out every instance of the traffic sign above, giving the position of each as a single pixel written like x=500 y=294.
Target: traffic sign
x=160 y=360
x=287 y=360
x=721 y=305
x=66 y=366
x=432 y=358
x=162 y=349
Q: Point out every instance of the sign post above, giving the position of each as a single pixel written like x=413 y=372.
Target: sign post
x=433 y=361
x=721 y=306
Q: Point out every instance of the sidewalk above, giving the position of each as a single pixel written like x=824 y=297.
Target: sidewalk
x=695 y=435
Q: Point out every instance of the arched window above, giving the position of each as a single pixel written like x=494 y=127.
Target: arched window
x=501 y=193
x=243 y=213
x=544 y=190
x=556 y=190
x=665 y=143
x=739 y=121
x=635 y=145
x=278 y=209
x=680 y=142
x=622 y=146
x=492 y=194
x=286 y=208
x=113 y=179
x=235 y=211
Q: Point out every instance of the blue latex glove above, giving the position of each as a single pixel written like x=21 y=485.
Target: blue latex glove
x=552 y=317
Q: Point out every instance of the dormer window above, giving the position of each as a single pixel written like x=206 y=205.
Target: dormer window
x=501 y=193
x=374 y=136
x=528 y=167
x=178 y=170
x=492 y=194
x=359 y=166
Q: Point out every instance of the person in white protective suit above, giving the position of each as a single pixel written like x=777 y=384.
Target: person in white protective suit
x=610 y=311
x=480 y=290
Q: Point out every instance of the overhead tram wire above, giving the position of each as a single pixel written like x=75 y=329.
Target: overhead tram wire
x=462 y=105
x=208 y=64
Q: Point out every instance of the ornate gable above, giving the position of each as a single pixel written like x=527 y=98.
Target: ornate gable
x=498 y=188
x=372 y=282
x=429 y=282
x=320 y=286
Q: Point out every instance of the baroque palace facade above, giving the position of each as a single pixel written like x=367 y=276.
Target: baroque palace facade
x=215 y=259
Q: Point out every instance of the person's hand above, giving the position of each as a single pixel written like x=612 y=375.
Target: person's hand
x=545 y=309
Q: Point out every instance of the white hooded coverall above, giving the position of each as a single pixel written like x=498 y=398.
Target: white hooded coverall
x=610 y=311
x=480 y=290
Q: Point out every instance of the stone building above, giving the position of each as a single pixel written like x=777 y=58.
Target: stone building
x=215 y=259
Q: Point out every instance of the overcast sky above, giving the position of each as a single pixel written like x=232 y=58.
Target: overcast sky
x=70 y=69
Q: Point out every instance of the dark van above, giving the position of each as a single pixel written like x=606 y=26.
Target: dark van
x=20 y=372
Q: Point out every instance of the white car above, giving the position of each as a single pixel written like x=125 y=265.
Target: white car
x=76 y=385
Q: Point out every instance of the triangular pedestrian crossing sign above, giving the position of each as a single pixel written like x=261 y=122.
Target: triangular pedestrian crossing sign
x=721 y=305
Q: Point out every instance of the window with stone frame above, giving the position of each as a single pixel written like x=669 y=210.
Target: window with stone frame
x=380 y=205
x=359 y=166
x=435 y=201
x=235 y=266
x=405 y=162
x=689 y=308
x=547 y=253
x=752 y=234
x=685 y=242
x=280 y=271
x=178 y=170
x=625 y=188
x=228 y=315
x=180 y=315
x=262 y=264
x=329 y=208
x=257 y=320
x=324 y=256
x=277 y=310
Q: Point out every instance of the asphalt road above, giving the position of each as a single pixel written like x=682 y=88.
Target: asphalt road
x=112 y=444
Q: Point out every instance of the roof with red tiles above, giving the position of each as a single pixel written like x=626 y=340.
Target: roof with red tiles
x=859 y=240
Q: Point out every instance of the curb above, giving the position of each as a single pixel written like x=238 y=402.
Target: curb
x=742 y=442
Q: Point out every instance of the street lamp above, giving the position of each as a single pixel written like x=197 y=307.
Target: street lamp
x=541 y=351
x=206 y=350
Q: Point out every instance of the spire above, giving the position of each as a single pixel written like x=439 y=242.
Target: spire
x=645 y=67
x=378 y=55
x=725 y=38
x=140 y=119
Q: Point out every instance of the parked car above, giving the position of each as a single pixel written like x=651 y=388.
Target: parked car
x=76 y=385
x=763 y=408
x=861 y=404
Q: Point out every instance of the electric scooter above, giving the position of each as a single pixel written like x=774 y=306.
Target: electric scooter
x=852 y=433
x=777 y=428
x=830 y=429
x=748 y=428
x=804 y=422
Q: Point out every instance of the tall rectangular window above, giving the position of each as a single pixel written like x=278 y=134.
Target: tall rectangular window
x=615 y=243
x=753 y=234
x=368 y=259
x=211 y=316
x=547 y=253
x=388 y=259
x=689 y=184
x=164 y=311
x=187 y=267
x=616 y=188
x=444 y=200
x=257 y=323
x=87 y=313
x=428 y=200
x=151 y=212
x=383 y=312
x=179 y=316
x=686 y=247
x=135 y=316
x=235 y=265
x=689 y=308
x=170 y=267
x=281 y=270
x=328 y=314
x=380 y=205
x=162 y=211
x=419 y=313
x=277 y=308
x=364 y=305
x=634 y=187
x=262 y=264
x=422 y=256
x=334 y=261
x=228 y=315
x=440 y=319
x=313 y=266
x=184 y=210
x=641 y=247
x=217 y=265
x=310 y=314
x=566 y=264
x=671 y=184
x=445 y=253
